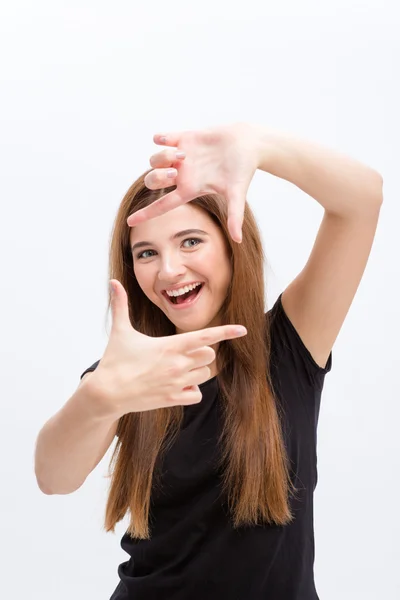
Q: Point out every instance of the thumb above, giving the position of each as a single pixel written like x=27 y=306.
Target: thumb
x=119 y=306
x=236 y=201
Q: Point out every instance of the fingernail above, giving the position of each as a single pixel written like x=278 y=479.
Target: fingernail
x=241 y=330
x=172 y=173
x=180 y=154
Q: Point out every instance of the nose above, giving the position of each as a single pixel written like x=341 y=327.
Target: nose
x=171 y=269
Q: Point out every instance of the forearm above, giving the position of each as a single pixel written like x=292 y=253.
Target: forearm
x=341 y=184
x=69 y=443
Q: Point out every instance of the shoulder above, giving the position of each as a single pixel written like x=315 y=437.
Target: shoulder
x=288 y=346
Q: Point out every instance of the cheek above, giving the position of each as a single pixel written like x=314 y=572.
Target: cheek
x=217 y=268
x=213 y=259
x=144 y=280
x=219 y=258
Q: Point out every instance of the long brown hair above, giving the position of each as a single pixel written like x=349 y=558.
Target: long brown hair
x=253 y=456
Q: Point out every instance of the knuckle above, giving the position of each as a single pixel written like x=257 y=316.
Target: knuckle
x=154 y=179
x=175 y=396
x=161 y=159
x=176 y=368
x=211 y=353
x=170 y=395
x=173 y=371
x=198 y=397
x=205 y=339
x=160 y=175
x=149 y=181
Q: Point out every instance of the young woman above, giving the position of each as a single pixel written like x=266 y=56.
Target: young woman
x=215 y=458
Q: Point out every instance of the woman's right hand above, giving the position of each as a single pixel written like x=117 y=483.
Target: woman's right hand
x=138 y=372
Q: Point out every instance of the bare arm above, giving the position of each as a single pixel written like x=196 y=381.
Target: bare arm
x=73 y=441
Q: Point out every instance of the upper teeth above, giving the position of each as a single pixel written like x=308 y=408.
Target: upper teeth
x=183 y=290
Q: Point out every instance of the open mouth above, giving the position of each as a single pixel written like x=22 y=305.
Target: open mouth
x=186 y=298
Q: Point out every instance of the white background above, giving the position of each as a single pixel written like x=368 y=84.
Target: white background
x=84 y=86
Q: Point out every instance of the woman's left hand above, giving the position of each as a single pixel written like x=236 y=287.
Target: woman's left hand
x=221 y=160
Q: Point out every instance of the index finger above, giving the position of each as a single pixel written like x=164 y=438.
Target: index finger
x=193 y=340
x=156 y=209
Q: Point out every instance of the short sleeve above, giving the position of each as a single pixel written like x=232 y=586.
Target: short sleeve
x=288 y=345
x=92 y=368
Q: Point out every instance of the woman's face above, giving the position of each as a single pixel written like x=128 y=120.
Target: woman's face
x=166 y=261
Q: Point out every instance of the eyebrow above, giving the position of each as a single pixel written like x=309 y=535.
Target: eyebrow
x=174 y=237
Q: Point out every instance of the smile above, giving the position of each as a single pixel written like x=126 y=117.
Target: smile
x=186 y=300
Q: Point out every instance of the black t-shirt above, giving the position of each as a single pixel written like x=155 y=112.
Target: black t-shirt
x=194 y=552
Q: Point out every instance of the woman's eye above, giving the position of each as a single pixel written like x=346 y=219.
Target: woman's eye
x=144 y=252
x=191 y=240
x=197 y=240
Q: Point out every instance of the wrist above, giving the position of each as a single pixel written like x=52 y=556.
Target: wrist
x=96 y=401
x=268 y=148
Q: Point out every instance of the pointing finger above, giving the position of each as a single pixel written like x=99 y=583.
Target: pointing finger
x=157 y=208
x=193 y=340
